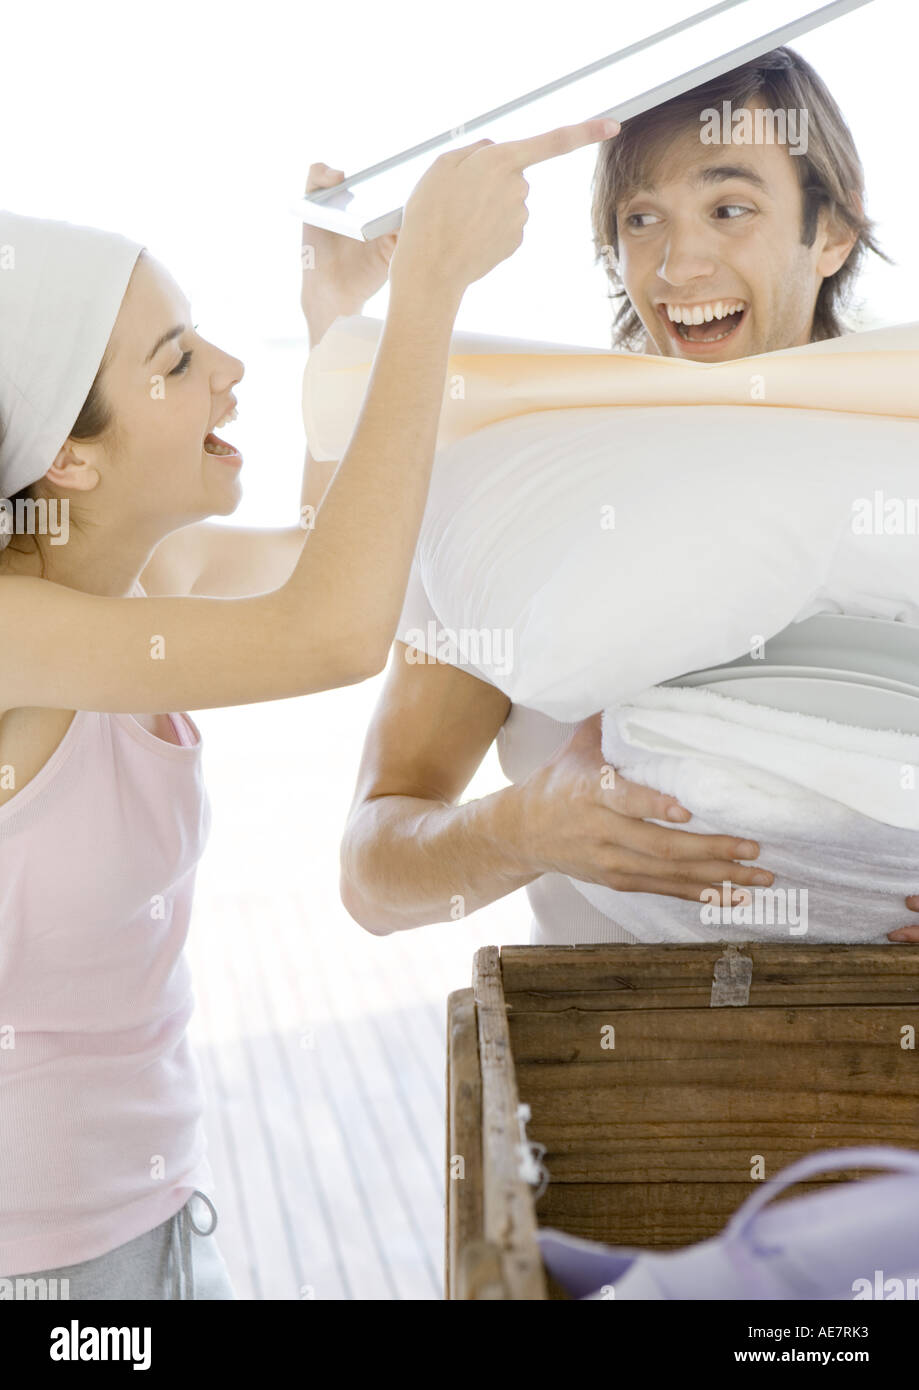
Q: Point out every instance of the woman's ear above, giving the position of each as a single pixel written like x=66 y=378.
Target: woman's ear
x=70 y=471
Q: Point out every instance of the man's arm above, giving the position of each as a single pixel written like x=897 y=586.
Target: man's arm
x=408 y=850
x=412 y=856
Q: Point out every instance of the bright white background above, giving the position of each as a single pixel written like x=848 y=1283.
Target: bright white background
x=190 y=126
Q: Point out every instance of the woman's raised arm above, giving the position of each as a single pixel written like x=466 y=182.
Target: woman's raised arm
x=329 y=625
x=333 y=621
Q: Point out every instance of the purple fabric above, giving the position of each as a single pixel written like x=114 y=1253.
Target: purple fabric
x=851 y=1241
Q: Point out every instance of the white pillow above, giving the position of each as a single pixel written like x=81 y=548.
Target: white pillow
x=727 y=524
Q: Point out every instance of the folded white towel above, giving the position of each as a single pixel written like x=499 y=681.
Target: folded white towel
x=834 y=808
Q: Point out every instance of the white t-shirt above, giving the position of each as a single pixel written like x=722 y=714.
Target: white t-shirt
x=561 y=915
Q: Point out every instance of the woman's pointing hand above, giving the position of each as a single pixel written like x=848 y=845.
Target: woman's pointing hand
x=467 y=213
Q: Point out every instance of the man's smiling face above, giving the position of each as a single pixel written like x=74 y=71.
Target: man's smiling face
x=719 y=230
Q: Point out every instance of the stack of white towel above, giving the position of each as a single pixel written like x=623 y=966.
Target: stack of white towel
x=834 y=808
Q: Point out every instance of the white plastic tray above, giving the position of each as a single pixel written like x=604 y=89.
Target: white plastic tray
x=844 y=702
x=861 y=671
x=865 y=650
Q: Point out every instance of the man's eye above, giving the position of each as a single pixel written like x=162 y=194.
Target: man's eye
x=634 y=219
x=732 y=207
x=183 y=365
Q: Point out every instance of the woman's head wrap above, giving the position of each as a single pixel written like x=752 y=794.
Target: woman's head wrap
x=61 y=286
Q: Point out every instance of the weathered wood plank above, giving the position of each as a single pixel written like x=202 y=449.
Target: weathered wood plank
x=582 y=1093
x=657 y=1216
x=690 y=1094
x=464 y=1212
x=879 y=990
x=550 y=978
x=509 y=1218
x=706 y=1153
x=845 y=1038
x=648 y=1215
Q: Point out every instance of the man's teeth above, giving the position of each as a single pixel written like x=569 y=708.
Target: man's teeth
x=703 y=313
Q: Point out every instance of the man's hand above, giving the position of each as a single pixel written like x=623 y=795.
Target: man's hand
x=339 y=273
x=577 y=817
x=910 y=933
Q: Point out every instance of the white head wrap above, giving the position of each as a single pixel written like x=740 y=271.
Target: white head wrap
x=61 y=286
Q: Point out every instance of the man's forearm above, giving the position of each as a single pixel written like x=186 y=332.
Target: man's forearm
x=408 y=862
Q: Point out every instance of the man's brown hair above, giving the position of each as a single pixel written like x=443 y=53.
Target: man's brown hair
x=830 y=173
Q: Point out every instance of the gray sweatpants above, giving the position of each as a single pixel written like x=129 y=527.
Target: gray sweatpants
x=176 y=1260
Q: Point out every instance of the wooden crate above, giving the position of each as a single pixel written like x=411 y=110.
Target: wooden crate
x=725 y=1063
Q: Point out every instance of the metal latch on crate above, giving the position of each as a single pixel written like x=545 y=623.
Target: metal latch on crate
x=732 y=978
x=530 y=1166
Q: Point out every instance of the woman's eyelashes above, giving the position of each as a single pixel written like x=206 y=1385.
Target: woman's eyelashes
x=184 y=360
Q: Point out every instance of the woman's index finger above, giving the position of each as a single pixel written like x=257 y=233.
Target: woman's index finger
x=562 y=140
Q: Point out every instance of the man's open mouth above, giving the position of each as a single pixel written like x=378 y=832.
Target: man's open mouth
x=709 y=322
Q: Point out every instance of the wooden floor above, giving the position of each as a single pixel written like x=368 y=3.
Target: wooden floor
x=321 y=1046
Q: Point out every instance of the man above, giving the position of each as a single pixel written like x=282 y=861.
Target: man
x=719 y=251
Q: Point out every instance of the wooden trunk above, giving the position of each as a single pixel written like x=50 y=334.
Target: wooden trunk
x=664 y=1082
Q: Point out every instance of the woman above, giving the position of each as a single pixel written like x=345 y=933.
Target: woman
x=103 y=815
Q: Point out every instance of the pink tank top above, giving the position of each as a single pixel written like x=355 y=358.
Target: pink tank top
x=101 y=1100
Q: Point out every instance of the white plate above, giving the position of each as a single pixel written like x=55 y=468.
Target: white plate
x=874 y=651
x=757 y=670
x=844 y=702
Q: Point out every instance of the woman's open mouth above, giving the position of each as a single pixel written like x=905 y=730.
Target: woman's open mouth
x=705 y=326
x=219 y=448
